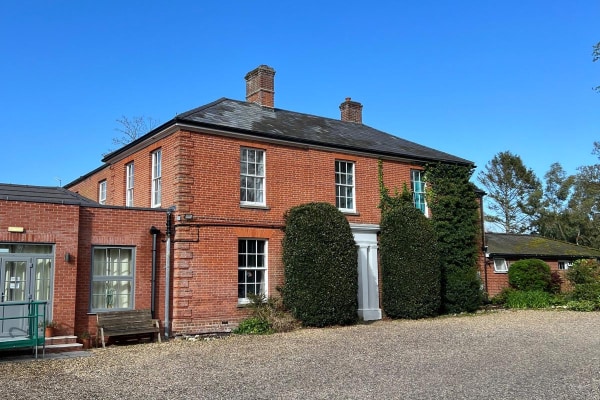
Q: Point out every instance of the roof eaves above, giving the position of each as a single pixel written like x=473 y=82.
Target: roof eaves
x=307 y=142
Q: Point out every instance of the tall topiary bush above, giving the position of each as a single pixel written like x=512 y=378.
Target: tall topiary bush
x=320 y=266
x=530 y=274
x=409 y=263
x=455 y=218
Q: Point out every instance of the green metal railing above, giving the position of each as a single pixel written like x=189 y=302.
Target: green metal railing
x=22 y=325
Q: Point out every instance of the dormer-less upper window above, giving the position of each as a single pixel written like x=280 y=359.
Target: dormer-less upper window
x=417 y=184
x=129 y=185
x=156 y=178
x=344 y=186
x=102 y=192
x=252 y=177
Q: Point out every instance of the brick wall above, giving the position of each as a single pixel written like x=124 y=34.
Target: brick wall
x=120 y=227
x=49 y=224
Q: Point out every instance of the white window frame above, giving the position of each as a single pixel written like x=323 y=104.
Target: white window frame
x=564 y=265
x=253 y=172
x=345 y=180
x=129 y=183
x=112 y=276
x=248 y=264
x=156 y=195
x=500 y=265
x=418 y=191
x=102 y=192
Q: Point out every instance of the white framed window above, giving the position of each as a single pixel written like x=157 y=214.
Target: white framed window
x=500 y=265
x=417 y=185
x=252 y=268
x=344 y=186
x=113 y=272
x=252 y=177
x=102 y=192
x=563 y=264
x=129 y=185
x=156 y=178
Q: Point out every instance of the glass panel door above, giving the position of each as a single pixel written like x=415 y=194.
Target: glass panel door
x=14 y=277
x=15 y=281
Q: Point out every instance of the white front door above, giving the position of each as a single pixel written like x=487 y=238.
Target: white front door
x=365 y=237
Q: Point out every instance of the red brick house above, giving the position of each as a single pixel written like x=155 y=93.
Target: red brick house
x=60 y=247
x=227 y=171
x=505 y=248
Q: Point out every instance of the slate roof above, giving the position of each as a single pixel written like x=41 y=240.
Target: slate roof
x=532 y=246
x=256 y=120
x=42 y=194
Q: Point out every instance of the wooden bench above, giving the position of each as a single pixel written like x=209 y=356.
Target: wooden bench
x=126 y=323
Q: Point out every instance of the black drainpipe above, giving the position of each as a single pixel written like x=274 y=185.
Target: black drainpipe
x=154 y=232
x=484 y=247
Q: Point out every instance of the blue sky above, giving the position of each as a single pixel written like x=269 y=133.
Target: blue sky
x=468 y=77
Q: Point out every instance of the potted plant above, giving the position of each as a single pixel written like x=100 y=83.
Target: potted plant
x=85 y=339
x=49 y=327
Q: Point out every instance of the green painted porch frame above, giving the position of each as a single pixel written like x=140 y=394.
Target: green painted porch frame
x=34 y=337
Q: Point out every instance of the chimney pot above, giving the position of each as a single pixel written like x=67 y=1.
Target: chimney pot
x=351 y=111
x=260 y=86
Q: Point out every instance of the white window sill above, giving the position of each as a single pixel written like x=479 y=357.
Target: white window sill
x=349 y=212
x=255 y=206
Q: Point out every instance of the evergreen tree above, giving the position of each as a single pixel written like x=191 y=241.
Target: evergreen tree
x=512 y=190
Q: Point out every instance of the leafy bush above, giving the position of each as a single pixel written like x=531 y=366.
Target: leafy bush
x=462 y=289
x=268 y=316
x=410 y=266
x=254 y=326
x=501 y=298
x=530 y=274
x=586 y=291
x=584 y=271
x=528 y=299
x=582 y=305
x=320 y=266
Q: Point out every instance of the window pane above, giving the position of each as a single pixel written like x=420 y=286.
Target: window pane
x=42 y=279
x=99 y=267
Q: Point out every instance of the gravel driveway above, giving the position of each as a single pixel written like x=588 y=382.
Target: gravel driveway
x=494 y=355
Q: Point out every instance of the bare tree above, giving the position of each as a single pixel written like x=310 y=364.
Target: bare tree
x=132 y=128
x=596 y=57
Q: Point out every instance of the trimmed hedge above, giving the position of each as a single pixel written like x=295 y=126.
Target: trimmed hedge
x=410 y=266
x=320 y=266
x=529 y=275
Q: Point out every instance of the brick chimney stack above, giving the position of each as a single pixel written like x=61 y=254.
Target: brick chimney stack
x=260 y=86
x=351 y=111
